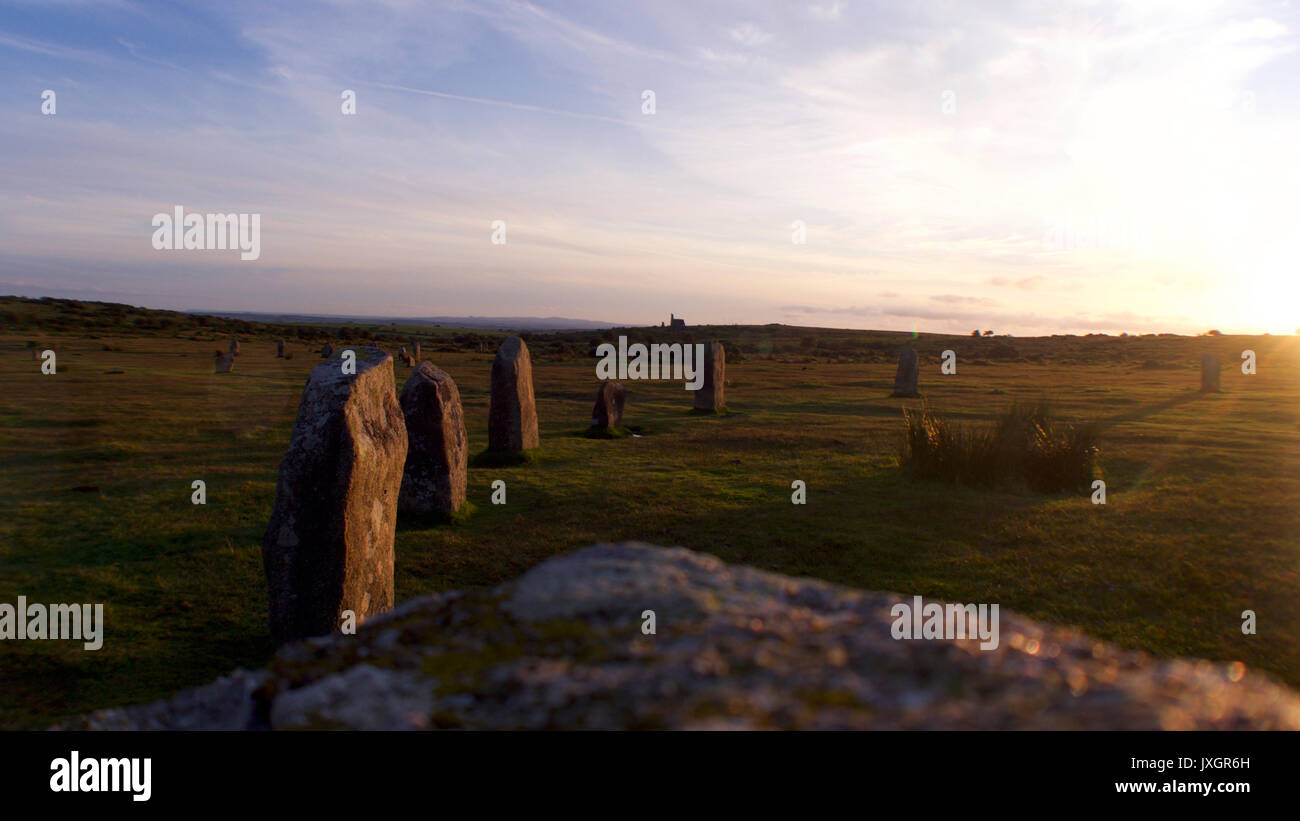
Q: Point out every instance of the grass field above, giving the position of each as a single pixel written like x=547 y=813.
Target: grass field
x=1200 y=523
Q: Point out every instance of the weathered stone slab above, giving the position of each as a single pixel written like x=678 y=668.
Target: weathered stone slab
x=610 y=398
x=512 y=410
x=437 y=456
x=905 y=380
x=329 y=545
x=712 y=393
x=1210 y=373
x=223 y=362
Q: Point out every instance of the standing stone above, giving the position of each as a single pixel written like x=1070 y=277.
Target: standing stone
x=234 y=347
x=326 y=351
x=608 y=412
x=406 y=358
x=415 y=351
x=279 y=349
x=329 y=545
x=438 y=453
x=512 y=411
x=1210 y=373
x=712 y=393
x=224 y=362
x=905 y=379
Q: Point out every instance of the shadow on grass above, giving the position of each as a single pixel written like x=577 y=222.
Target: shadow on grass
x=620 y=432
x=411 y=520
x=502 y=458
x=1150 y=410
x=718 y=412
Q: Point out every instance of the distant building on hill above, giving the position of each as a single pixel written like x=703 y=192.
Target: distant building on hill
x=676 y=321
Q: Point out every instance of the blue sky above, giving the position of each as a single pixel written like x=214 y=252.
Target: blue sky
x=1026 y=167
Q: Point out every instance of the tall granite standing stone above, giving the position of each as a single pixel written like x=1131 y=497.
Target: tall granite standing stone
x=329 y=545
x=712 y=393
x=608 y=412
x=415 y=351
x=437 y=457
x=1210 y=373
x=326 y=351
x=223 y=363
x=279 y=348
x=905 y=379
x=512 y=411
x=234 y=347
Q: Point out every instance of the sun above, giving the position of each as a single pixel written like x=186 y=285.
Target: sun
x=1267 y=294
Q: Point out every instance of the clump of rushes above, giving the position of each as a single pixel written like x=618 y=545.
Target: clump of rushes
x=1026 y=446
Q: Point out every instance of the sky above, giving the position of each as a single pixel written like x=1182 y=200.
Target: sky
x=1029 y=168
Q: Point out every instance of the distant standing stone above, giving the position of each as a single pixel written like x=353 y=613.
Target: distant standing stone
x=712 y=393
x=512 y=411
x=327 y=351
x=415 y=351
x=234 y=347
x=406 y=358
x=329 y=544
x=1210 y=373
x=224 y=362
x=608 y=412
x=905 y=379
x=437 y=456
x=279 y=348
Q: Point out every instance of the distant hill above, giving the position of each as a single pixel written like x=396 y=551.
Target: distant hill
x=492 y=323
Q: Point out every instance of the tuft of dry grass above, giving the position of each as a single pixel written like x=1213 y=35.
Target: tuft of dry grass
x=1026 y=445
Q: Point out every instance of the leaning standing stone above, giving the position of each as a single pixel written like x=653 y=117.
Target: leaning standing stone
x=329 y=545
x=1209 y=373
x=608 y=412
x=224 y=362
x=712 y=393
x=905 y=379
x=438 y=453
x=512 y=411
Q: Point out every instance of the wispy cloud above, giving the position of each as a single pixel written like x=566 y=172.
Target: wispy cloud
x=923 y=150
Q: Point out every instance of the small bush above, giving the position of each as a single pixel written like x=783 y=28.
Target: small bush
x=1025 y=446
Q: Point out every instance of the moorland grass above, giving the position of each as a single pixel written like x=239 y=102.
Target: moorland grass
x=1200 y=523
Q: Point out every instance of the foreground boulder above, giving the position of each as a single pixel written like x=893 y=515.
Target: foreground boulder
x=734 y=647
x=437 y=455
x=512 y=410
x=329 y=545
